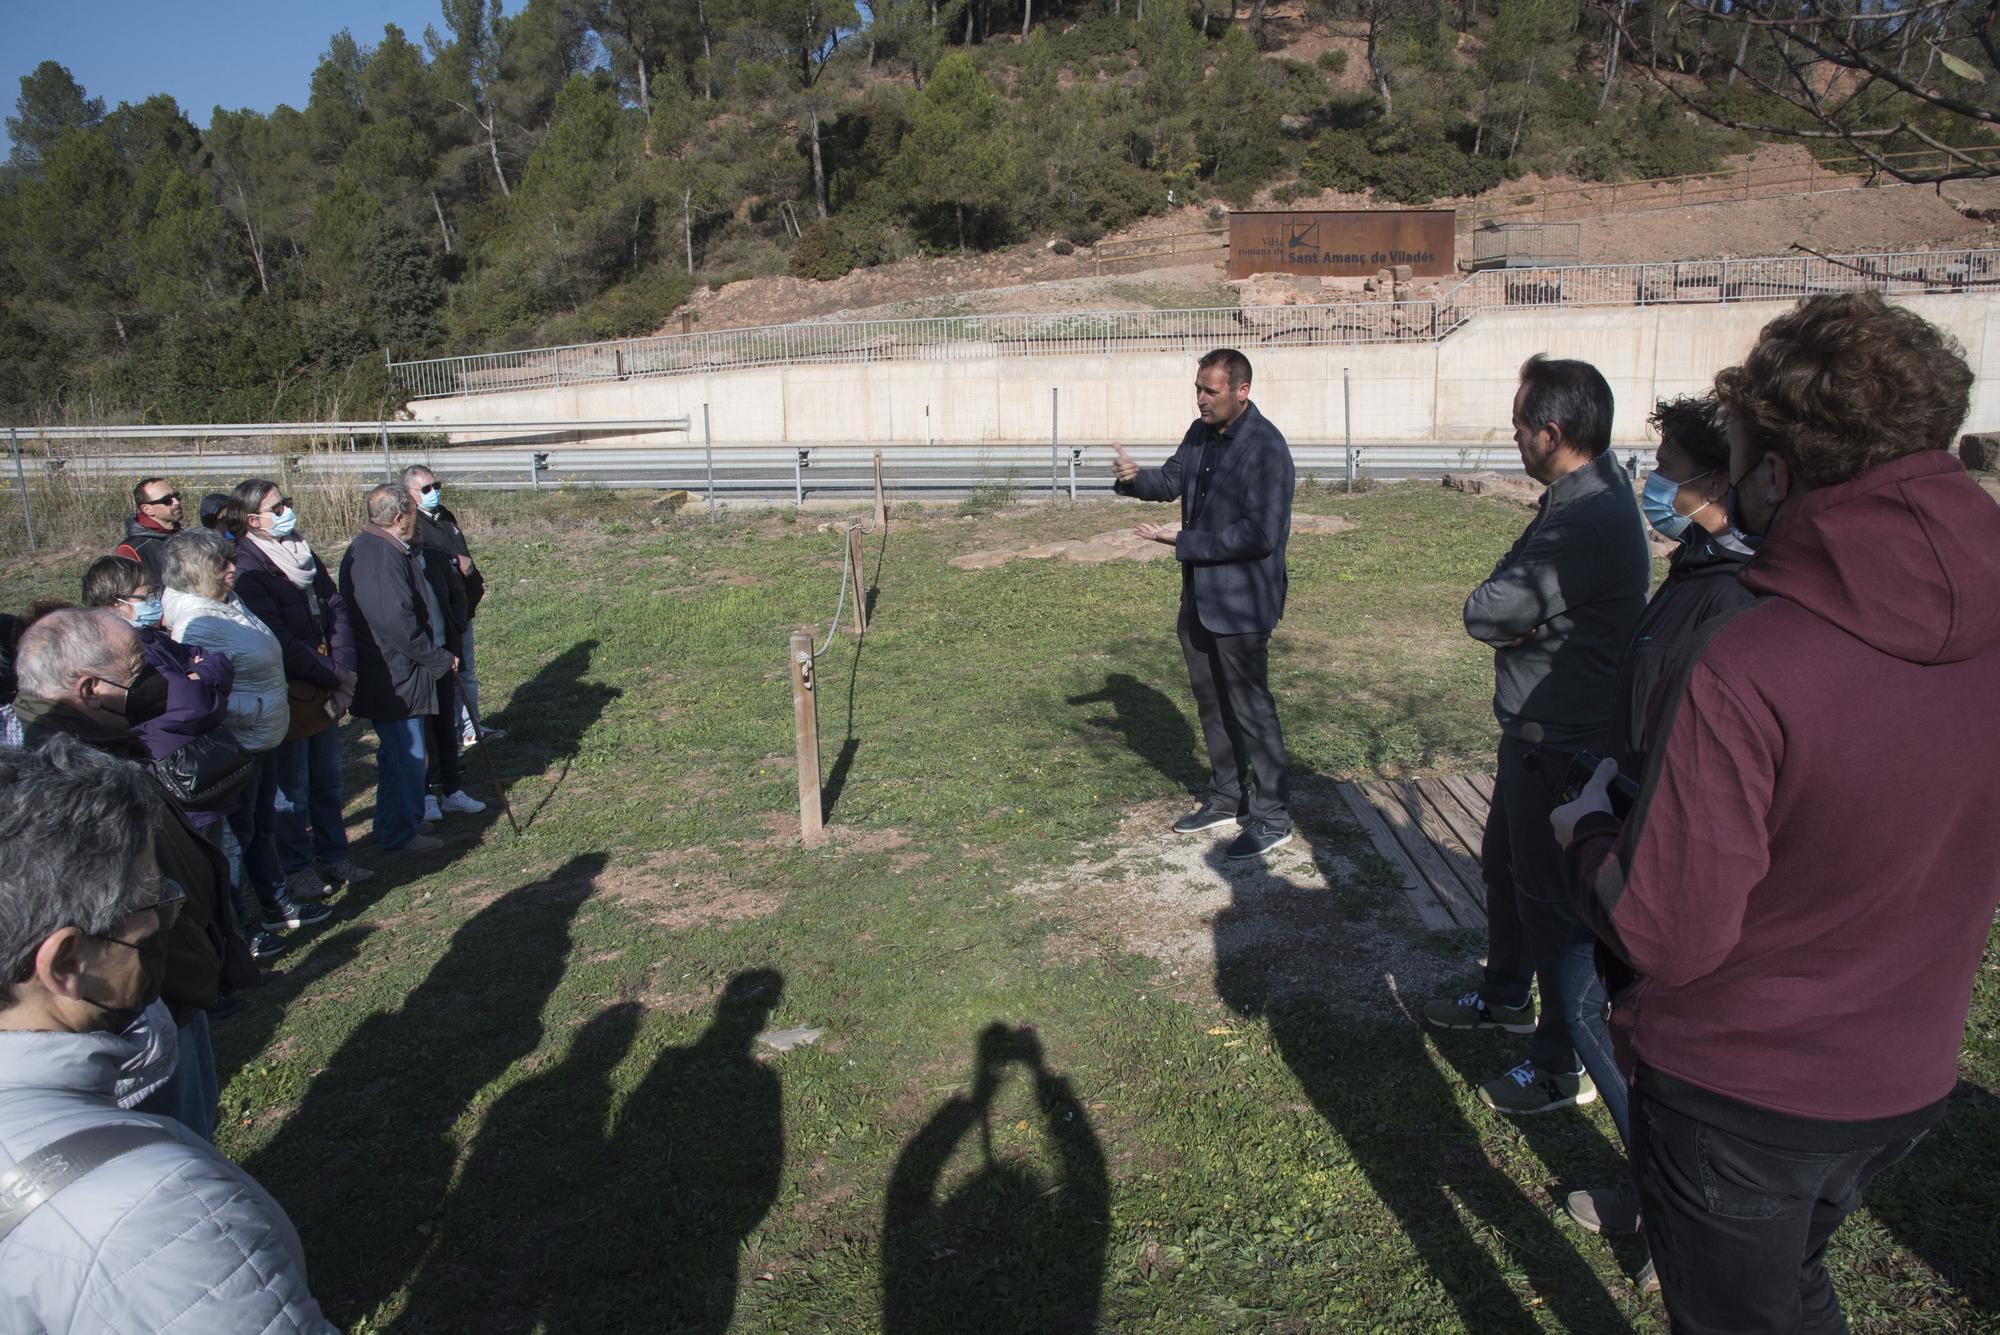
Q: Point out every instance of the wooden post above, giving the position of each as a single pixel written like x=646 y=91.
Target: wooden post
x=805 y=728
x=857 y=590
x=881 y=503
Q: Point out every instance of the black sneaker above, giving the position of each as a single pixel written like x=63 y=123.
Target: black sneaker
x=1257 y=840
x=289 y=912
x=1213 y=812
x=224 y=1007
x=264 y=946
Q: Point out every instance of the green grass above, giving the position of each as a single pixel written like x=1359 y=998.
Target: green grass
x=518 y=1091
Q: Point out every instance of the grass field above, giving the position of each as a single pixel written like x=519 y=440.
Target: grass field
x=518 y=1087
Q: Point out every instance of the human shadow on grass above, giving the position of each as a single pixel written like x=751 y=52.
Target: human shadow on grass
x=1151 y=725
x=1944 y=1213
x=1375 y=1084
x=1003 y=1249
x=545 y=720
x=239 y=1039
x=562 y=1221
x=366 y=1159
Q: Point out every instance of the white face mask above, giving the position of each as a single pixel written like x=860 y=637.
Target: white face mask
x=156 y=1052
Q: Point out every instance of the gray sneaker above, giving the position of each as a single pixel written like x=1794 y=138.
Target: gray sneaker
x=305 y=884
x=1608 y=1210
x=346 y=871
x=1525 y=1091
x=423 y=843
x=1471 y=1012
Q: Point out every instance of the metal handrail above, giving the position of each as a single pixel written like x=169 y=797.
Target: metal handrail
x=945 y=338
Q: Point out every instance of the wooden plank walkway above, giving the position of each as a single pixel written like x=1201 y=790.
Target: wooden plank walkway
x=1429 y=831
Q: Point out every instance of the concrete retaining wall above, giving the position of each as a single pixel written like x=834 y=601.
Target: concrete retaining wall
x=1455 y=392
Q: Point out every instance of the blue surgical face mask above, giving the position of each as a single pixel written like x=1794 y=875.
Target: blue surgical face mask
x=282 y=525
x=431 y=500
x=147 y=613
x=1657 y=503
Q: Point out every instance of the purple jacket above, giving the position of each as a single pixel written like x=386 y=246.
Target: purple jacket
x=193 y=707
x=282 y=605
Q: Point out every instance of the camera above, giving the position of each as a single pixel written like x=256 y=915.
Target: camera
x=1624 y=791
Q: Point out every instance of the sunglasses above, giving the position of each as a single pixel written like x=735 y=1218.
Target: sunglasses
x=278 y=507
x=167 y=499
x=430 y=487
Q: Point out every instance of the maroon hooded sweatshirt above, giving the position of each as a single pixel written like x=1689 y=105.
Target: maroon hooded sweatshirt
x=1811 y=870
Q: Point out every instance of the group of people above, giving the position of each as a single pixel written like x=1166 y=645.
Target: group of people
x=1741 y=840
x=171 y=806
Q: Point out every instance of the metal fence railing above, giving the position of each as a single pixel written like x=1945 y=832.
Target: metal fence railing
x=946 y=338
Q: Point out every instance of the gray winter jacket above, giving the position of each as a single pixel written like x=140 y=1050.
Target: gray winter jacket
x=1575 y=583
x=171 y=1237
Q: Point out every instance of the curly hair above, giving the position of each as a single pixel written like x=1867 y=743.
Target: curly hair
x=1694 y=424
x=1844 y=383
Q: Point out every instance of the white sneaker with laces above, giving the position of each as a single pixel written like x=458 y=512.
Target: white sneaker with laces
x=462 y=801
x=431 y=812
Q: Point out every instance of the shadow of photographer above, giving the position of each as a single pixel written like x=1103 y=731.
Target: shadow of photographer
x=1009 y=1247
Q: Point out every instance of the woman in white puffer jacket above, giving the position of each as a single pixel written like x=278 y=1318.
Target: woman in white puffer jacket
x=200 y=607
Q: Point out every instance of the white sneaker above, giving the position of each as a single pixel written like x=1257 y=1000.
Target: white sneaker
x=431 y=812
x=462 y=801
x=467 y=740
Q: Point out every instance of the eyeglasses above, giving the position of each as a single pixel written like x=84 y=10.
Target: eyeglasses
x=167 y=499
x=430 y=487
x=168 y=906
x=140 y=596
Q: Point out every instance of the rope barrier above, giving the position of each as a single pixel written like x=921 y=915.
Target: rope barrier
x=846 y=571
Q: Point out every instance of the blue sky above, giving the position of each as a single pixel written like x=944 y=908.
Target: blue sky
x=238 y=53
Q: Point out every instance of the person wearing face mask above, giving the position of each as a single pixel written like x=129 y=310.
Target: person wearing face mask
x=443 y=535
x=186 y=691
x=202 y=609
x=438 y=544
x=113 y=1219
x=1807 y=881
x=1686 y=498
x=287 y=587
x=77 y=670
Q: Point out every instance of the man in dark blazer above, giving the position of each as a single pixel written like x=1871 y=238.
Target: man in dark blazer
x=1233 y=477
x=400 y=657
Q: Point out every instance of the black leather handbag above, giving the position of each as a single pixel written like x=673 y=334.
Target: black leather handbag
x=202 y=775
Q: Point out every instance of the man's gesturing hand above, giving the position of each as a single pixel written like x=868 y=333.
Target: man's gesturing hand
x=1158 y=533
x=1123 y=466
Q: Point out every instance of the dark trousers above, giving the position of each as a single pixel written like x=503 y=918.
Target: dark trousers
x=1738 y=1229
x=1533 y=929
x=1239 y=720
x=442 y=730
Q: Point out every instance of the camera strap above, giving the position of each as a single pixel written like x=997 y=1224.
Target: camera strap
x=29 y=1184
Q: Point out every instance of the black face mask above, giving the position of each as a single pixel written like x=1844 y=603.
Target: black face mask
x=146 y=697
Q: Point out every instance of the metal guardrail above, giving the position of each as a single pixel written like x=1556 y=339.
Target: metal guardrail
x=1071 y=334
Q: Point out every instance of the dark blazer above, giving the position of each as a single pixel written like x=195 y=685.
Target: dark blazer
x=441 y=532
x=282 y=605
x=397 y=664
x=441 y=569
x=1234 y=549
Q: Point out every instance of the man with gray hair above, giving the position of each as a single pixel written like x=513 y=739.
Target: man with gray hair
x=442 y=535
x=113 y=1219
x=400 y=659
x=83 y=677
x=437 y=554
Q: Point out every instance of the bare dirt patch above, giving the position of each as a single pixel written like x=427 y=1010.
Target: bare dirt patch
x=679 y=888
x=1118 y=545
x=1300 y=922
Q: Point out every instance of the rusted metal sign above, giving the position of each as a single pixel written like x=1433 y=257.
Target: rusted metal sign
x=1343 y=243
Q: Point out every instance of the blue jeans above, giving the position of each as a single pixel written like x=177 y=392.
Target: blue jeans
x=1532 y=925
x=192 y=1093
x=255 y=824
x=399 y=780
x=309 y=785
x=468 y=683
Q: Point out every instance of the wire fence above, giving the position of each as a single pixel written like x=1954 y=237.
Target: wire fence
x=1069 y=334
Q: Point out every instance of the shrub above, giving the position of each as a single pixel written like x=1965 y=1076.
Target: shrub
x=822 y=253
x=1334 y=62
